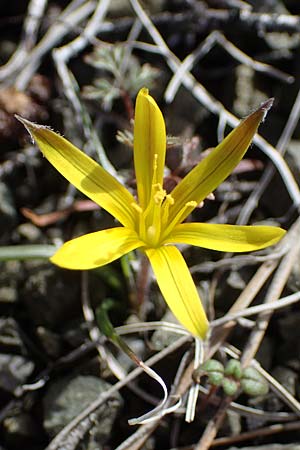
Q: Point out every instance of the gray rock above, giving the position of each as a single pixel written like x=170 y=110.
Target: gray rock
x=68 y=397
x=287 y=378
x=9 y=335
x=14 y=370
x=50 y=293
x=10 y=275
x=8 y=212
x=161 y=338
x=29 y=232
x=21 y=431
x=51 y=342
x=8 y=294
x=289 y=326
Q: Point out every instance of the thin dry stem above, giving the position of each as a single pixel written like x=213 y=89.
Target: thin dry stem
x=278 y=283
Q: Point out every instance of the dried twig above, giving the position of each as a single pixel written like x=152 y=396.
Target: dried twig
x=36 y=9
x=202 y=95
x=257 y=334
x=138 y=439
x=280 y=303
x=219 y=335
x=258 y=432
x=66 y=22
x=253 y=413
x=61 y=56
x=276 y=287
x=212 y=39
x=239 y=260
x=246 y=20
x=269 y=172
x=69 y=433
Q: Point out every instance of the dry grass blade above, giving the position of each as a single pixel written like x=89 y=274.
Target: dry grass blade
x=258 y=333
x=36 y=9
x=51 y=38
x=202 y=95
x=69 y=435
x=280 y=303
x=260 y=432
x=278 y=283
x=218 y=38
x=269 y=172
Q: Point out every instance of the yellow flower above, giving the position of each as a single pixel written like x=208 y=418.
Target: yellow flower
x=152 y=223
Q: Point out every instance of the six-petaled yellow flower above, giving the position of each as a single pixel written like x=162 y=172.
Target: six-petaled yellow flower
x=153 y=222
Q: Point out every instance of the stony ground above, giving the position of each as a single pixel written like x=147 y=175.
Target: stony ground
x=55 y=363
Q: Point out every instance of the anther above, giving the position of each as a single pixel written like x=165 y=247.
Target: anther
x=191 y=204
x=137 y=208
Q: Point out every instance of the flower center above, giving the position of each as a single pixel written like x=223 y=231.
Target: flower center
x=153 y=218
x=154 y=223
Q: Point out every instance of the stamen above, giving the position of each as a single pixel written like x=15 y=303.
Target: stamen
x=191 y=204
x=159 y=195
x=137 y=207
x=169 y=201
x=180 y=216
x=151 y=217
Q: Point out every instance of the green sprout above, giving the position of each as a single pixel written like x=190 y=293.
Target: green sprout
x=233 y=377
x=252 y=383
x=120 y=72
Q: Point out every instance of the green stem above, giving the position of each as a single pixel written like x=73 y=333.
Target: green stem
x=21 y=252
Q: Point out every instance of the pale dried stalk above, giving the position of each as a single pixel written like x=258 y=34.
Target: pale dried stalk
x=60 y=441
x=138 y=439
x=281 y=146
x=215 y=107
x=266 y=431
x=274 y=292
x=35 y=12
x=280 y=303
x=58 y=30
x=212 y=39
x=256 y=336
x=61 y=57
x=220 y=334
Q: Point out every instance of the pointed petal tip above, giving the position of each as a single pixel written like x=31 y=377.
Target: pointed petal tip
x=28 y=124
x=24 y=121
x=34 y=129
x=265 y=107
x=267 y=104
